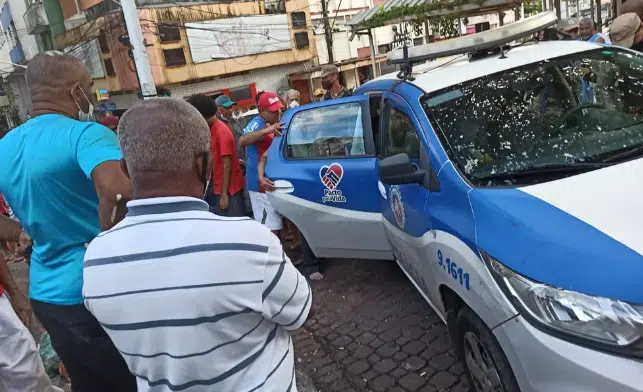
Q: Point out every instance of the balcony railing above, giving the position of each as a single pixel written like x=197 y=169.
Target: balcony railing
x=36 y=18
x=16 y=54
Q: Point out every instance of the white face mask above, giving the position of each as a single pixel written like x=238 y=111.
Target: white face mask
x=82 y=116
x=207 y=187
x=294 y=104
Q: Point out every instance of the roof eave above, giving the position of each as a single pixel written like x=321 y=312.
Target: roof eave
x=360 y=20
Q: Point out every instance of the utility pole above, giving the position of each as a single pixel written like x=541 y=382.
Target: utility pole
x=599 y=16
x=327 y=32
x=143 y=69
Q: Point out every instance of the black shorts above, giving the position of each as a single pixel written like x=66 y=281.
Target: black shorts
x=236 y=205
x=90 y=357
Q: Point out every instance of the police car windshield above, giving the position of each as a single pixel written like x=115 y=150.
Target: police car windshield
x=564 y=111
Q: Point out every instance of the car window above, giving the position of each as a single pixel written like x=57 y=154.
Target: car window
x=401 y=136
x=335 y=131
x=563 y=111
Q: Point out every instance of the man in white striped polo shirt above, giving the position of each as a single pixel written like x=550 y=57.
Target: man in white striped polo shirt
x=193 y=301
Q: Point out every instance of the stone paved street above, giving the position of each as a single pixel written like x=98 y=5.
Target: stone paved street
x=371 y=331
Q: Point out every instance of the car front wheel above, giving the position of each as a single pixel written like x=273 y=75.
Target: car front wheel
x=486 y=366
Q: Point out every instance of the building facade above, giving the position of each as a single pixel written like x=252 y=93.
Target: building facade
x=235 y=49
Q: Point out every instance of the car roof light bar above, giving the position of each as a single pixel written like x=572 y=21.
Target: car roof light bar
x=476 y=42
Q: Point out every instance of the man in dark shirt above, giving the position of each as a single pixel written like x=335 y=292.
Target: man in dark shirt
x=330 y=83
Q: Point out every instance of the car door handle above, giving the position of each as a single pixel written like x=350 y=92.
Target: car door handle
x=283 y=186
x=382 y=189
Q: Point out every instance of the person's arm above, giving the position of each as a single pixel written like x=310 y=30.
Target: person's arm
x=268 y=185
x=253 y=137
x=10 y=230
x=286 y=295
x=98 y=155
x=110 y=182
x=19 y=301
x=227 y=147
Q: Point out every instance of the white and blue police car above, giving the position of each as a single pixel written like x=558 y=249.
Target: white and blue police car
x=507 y=182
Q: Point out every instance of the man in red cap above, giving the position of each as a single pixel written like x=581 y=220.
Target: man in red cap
x=110 y=122
x=257 y=138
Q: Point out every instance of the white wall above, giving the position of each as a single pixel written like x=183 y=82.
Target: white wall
x=343 y=49
x=267 y=79
x=18 y=9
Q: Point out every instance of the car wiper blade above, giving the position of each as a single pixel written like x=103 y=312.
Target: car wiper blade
x=547 y=169
x=619 y=155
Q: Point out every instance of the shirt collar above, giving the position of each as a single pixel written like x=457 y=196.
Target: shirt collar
x=165 y=205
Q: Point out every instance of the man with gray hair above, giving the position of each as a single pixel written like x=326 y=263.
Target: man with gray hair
x=588 y=31
x=203 y=302
x=292 y=98
x=60 y=174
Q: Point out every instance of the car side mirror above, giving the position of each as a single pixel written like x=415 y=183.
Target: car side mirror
x=399 y=170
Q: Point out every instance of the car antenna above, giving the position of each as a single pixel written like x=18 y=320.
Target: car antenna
x=406 y=69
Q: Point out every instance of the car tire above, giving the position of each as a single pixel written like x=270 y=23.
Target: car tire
x=470 y=331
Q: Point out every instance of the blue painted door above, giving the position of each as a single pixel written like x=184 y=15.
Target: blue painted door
x=405 y=208
x=325 y=168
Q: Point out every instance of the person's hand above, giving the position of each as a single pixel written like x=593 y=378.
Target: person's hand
x=223 y=202
x=22 y=307
x=242 y=164
x=24 y=244
x=275 y=128
x=267 y=184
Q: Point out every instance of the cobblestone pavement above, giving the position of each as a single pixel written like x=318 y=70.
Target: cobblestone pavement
x=372 y=331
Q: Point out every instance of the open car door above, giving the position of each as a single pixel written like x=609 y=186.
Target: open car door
x=325 y=170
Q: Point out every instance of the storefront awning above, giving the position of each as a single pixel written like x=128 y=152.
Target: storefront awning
x=397 y=11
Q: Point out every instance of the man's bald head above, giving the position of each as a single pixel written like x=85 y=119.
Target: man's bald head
x=58 y=83
x=164 y=138
x=55 y=71
x=635 y=6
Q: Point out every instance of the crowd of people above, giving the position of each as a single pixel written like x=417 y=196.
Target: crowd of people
x=153 y=248
x=626 y=30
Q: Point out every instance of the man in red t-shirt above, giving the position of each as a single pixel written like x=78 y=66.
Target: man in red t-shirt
x=225 y=196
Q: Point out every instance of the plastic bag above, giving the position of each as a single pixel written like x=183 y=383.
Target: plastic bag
x=48 y=355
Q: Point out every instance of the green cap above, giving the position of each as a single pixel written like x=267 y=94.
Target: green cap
x=224 y=100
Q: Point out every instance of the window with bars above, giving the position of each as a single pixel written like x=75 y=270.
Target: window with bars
x=169 y=33
x=102 y=42
x=298 y=20
x=174 y=57
x=109 y=67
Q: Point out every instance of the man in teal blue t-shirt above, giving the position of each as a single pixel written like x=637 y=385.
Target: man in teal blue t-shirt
x=61 y=175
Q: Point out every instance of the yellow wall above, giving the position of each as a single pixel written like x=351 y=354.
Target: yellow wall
x=195 y=13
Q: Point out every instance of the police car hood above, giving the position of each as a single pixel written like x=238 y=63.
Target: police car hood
x=581 y=233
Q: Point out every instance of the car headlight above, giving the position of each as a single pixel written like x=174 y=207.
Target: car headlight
x=584 y=319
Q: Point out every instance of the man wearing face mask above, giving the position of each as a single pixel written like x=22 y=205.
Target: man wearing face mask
x=330 y=83
x=204 y=303
x=61 y=174
x=292 y=98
